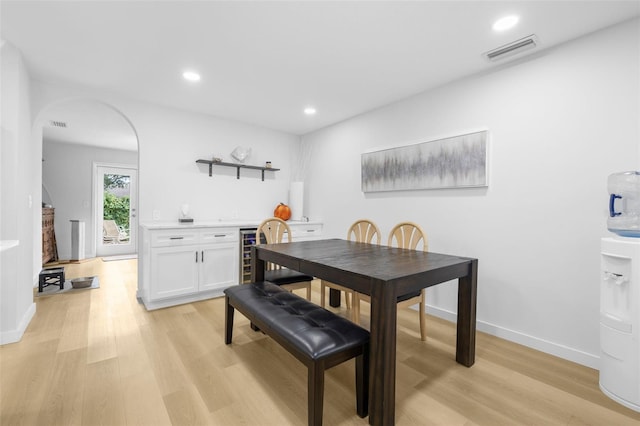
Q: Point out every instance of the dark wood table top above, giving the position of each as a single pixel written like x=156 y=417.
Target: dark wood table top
x=354 y=264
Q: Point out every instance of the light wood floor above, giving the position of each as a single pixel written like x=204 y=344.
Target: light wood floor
x=97 y=357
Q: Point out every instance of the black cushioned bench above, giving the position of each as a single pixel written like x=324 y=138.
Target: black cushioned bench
x=318 y=338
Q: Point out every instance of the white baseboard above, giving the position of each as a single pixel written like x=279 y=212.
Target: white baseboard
x=13 y=336
x=562 y=351
x=180 y=300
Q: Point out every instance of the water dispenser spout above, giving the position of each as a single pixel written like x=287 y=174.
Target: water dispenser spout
x=619 y=279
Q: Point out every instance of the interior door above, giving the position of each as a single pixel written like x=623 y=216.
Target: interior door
x=116 y=209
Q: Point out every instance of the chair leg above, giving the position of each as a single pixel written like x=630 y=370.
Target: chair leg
x=348 y=298
x=309 y=292
x=322 y=290
x=228 y=321
x=355 y=308
x=362 y=383
x=315 y=393
x=423 y=317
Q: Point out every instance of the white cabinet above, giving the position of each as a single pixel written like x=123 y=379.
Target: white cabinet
x=185 y=265
x=174 y=271
x=218 y=266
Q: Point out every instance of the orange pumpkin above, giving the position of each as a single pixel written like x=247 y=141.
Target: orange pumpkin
x=282 y=211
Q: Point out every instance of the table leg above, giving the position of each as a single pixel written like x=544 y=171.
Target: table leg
x=382 y=373
x=466 y=333
x=257 y=267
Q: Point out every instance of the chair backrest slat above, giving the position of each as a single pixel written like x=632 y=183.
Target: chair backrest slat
x=274 y=229
x=364 y=231
x=408 y=235
x=110 y=228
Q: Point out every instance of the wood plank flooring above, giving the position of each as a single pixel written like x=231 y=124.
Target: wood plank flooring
x=97 y=357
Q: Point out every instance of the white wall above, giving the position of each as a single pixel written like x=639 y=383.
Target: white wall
x=560 y=122
x=170 y=143
x=17 y=195
x=171 y=140
x=67 y=175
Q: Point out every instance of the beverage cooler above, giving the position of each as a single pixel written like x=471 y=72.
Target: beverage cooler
x=247 y=239
x=620 y=293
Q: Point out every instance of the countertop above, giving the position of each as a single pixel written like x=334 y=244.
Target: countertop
x=244 y=223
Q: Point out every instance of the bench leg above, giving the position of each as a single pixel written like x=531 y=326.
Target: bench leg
x=228 y=321
x=362 y=383
x=315 y=393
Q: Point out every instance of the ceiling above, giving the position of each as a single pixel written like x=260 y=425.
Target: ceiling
x=264 y=62
x=89 y=122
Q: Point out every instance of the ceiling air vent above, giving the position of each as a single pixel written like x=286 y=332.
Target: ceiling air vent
x=58 y=124
x=513 y=48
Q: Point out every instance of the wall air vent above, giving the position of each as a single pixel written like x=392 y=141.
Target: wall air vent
x=513 y=48
x=58 y=124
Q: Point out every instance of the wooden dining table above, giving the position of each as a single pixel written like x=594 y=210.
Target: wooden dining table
x=384 y=273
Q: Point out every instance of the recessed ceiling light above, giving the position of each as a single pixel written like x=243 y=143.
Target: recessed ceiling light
x=309 y=110
x=505 y=23
x=191 y=76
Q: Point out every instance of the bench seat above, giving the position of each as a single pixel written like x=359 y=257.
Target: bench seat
x=318 y=338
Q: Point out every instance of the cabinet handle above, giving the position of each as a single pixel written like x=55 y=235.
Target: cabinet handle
x=196 y=257
x=176 y=238
x=311 y=230
x=219 y=235
x=202 y=256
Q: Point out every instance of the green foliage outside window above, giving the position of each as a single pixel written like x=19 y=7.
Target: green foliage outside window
x=116 y=208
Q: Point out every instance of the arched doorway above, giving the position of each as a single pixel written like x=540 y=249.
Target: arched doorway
x=87 y=143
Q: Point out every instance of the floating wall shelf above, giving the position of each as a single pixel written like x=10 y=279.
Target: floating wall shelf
x=237 y=166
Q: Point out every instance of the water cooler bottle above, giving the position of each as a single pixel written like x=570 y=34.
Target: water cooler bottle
x=620 y=293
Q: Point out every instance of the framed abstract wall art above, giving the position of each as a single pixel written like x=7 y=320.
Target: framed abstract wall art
x=453 y=162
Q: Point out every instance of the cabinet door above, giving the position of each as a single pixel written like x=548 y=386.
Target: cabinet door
x=218 y=266
x=174 y=271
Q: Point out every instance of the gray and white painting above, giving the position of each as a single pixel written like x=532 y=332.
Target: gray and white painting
x=459 y=161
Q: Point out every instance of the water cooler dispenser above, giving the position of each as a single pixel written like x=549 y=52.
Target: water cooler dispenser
x=620 y=293
x=620 y=321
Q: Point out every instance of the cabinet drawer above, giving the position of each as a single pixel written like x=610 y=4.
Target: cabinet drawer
x=299 y=232
x=219 y=235
x=171 y=238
